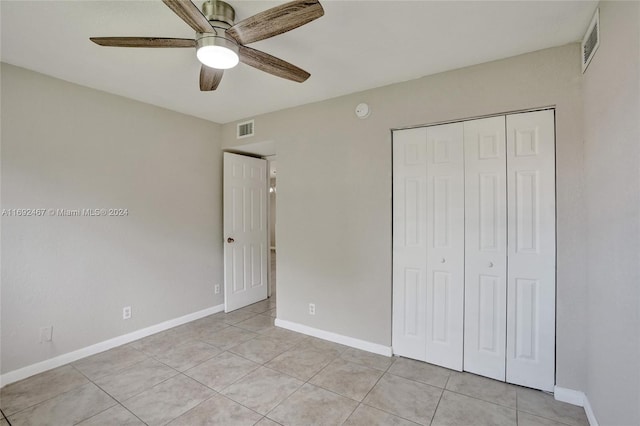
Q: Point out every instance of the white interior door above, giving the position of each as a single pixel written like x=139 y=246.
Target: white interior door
x=485 y=247
x=531 y=285
x=445 y=245
x=245 y=230
x=409 y=243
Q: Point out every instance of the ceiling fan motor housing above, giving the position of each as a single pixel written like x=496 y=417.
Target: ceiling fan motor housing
x=221 y=16
x=217 y=11
x=217 y=38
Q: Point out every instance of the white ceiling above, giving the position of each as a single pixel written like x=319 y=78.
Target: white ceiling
x=356 y=45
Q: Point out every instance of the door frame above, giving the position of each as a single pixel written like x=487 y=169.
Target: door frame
x=270 y=158
x=265 y=151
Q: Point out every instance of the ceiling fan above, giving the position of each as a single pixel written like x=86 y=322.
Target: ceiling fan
x=220 y=43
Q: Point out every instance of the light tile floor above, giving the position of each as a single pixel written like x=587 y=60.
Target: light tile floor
x=238 y=369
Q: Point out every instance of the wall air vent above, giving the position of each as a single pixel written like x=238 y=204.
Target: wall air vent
x=245 y=129
x=591 y=41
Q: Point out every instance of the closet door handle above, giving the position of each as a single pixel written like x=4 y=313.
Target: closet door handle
x=230 y=240
x=490 y=264
x=443 y=260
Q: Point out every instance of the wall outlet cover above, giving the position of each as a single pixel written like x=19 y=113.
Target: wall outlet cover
x=46 y=334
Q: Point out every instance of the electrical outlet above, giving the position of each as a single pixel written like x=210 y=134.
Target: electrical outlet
x=126 y=312
x=312 y=308
x=216 y=289
x=46 y=334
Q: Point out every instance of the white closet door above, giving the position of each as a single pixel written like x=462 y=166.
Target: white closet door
x=409 y=243
x=531 y=289
x=485 y=247
x=445 y=245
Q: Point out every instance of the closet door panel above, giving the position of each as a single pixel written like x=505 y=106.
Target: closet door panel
x=485 y=247
x=531 y=286
x=445 y=245
x=409 y=243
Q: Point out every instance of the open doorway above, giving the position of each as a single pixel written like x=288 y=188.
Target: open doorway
x=265 y=152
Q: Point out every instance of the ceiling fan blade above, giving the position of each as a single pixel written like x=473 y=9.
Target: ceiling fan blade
x=276 y=20
x=210 y=78
x=143 y=42
x=271 y=64
x=190 y=14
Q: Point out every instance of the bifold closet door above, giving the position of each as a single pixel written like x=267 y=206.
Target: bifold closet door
x=428 y=244
x=445 y=245
x=485 y=247
x=531 y=284
x=409 y=337
x=474 y=246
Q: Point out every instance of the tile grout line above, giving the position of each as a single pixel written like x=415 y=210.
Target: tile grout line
x=285 y=399
x=393 y=414
x=295 y=345
x=378 y=381
x=546 y=418
x=444 y=388
x=311 y=384
x=245 y=375
x=219 y=393
x=518 y=410
x=440 y=399
x=5 y=417
x=121 y=403
x=231 y=384
x=480 y=399
x=55 y=396
x=385 y=411
x=107 y=393
x=437 y=406
x=373 y=387
x=475 y=397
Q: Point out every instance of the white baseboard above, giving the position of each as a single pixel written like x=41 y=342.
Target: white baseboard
x=30 y=370
x=569 y=396
x=589 y=411
x=578 y=398
x=336 y=338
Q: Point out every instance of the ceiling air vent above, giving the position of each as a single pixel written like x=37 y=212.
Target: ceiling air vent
x=245 y=129
x=591 y=41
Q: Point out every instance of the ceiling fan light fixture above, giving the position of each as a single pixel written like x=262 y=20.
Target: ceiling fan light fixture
x=217 y=52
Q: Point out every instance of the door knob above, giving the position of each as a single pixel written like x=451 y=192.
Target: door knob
x=230 y=240
x=443 y=260
x=490 y=264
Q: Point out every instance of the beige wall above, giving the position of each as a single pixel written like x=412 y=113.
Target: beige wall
x=66 y=146
x=612 y=167
x=334 y=192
